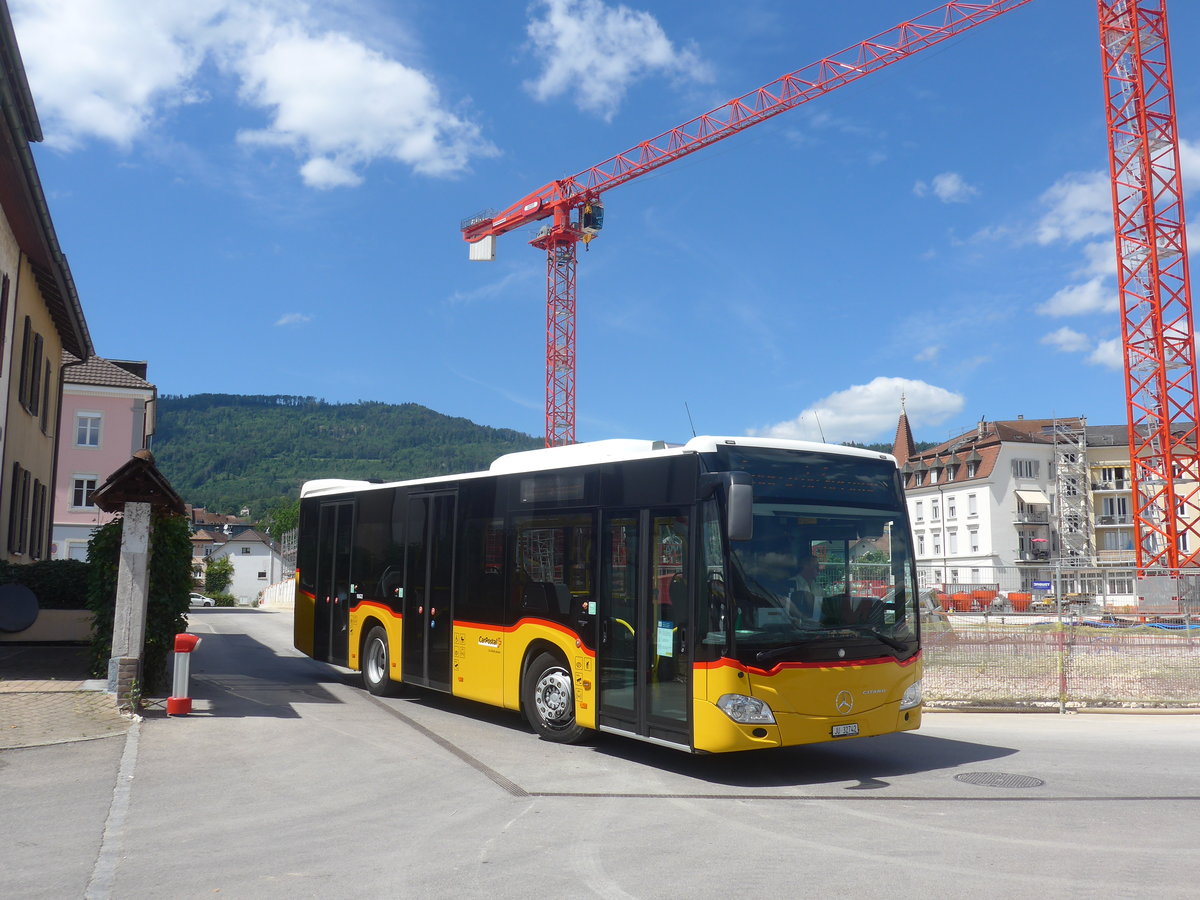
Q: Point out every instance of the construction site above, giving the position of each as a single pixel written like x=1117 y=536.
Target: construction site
x=1037 y=537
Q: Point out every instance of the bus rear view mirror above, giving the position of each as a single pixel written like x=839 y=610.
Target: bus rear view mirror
x=738 y=491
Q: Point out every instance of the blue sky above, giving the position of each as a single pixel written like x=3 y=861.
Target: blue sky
x=264 y=196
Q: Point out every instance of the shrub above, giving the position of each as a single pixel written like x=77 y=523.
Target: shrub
x=57 y=583
x=169 y=587
x=224 y=599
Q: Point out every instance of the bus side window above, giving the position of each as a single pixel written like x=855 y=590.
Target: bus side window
x=480 y=582
x=552 y=558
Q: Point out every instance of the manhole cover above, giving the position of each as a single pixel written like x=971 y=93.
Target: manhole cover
x=999 y=779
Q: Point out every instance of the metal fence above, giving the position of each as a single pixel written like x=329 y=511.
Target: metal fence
x=1001 y=643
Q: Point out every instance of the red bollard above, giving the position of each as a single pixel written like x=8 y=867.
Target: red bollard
x=179 y=703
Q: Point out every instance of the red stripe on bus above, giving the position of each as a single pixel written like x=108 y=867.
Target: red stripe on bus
x=379 y=606
x=510 y=629
x=775 y=670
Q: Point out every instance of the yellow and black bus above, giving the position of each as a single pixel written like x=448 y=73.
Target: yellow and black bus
x=723 y=594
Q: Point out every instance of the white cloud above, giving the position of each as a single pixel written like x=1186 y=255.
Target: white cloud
x=1091 y=296
x=1108 y=354
x=868 y=412
x=293 y=319
x=928 y=354
x=1080 y=207
x=598 y=52
x=1100 y=259
x=1189 y=164
x=340 y=105
x=1068 y=340
x=949 y=187
x=110 y=69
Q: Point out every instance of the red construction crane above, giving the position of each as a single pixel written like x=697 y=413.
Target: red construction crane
x=561 y=199
x=1157 y=332
x=1152 y=275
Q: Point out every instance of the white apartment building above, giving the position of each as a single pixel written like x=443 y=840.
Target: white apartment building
x=983 y=501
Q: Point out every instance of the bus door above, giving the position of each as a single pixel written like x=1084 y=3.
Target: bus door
x=331 y=622
x=644 y=659
x=429 y=570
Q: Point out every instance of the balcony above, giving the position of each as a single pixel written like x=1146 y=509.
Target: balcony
x=1122 y=519
x=1032 y=517
x=1111 y=486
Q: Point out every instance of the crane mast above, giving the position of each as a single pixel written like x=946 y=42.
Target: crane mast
x=1152 y=275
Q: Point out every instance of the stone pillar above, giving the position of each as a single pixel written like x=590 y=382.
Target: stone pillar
x=133 y=582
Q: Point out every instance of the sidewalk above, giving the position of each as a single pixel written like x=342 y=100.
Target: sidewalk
x=46 y=697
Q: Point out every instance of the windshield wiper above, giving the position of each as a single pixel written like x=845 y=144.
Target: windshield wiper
x=777 y=653
x=868 y=631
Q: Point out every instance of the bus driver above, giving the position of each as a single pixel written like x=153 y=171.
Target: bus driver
x=807 y=599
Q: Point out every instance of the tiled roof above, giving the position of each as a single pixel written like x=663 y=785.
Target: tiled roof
x=101 y=372
x=984 y=441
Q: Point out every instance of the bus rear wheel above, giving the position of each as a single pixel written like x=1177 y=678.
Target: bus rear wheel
x=376 y=664
x=548 y=695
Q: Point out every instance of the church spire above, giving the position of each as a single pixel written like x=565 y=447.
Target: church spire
x=903 y=447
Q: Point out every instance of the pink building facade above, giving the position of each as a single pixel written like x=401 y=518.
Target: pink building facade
x=107 y=415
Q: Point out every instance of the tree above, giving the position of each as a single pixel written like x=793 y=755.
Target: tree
x=281 y=518
x=218 y=575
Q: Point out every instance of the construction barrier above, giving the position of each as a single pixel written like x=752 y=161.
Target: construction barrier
x=180 y=703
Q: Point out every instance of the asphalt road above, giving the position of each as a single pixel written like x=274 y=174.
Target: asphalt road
x=289 y=780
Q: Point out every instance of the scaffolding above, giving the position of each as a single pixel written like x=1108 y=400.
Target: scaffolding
x=1073 y=494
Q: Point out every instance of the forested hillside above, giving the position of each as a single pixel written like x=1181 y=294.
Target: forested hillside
x=229 y=451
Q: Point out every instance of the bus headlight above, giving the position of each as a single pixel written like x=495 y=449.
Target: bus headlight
x=912 y=695
x=746 y=710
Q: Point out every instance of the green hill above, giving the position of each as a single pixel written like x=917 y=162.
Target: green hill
x=229 y=451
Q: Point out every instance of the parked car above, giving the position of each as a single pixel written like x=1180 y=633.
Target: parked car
x=201 y=600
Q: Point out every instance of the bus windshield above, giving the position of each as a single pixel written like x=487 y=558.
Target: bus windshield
x=829 y=563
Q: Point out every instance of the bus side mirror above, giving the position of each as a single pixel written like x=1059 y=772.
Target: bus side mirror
x=738 y=489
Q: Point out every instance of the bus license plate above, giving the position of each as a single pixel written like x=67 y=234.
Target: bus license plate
x=848 y=730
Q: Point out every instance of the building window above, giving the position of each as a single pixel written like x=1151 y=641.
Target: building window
x=1113 y=478
x=972 y=469
x=920 y=543
x=934 y=512
x=34 y=400
x=973 y=537
x=245 y=551
x=1025 y=468
x=262 y=576
x=951 y=507
x=18 y=509
x=972 y=505
x=933 y=476
x=950 y=473
x=82 y=488
x=87 y=429
x=3 y=316
x=920 y=511
x=918 y=479
x=46 y=401
x=952 y=542
x=937 y=544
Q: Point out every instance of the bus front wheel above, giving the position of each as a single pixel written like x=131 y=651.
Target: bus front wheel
x=549 y=699
x=376 y=664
